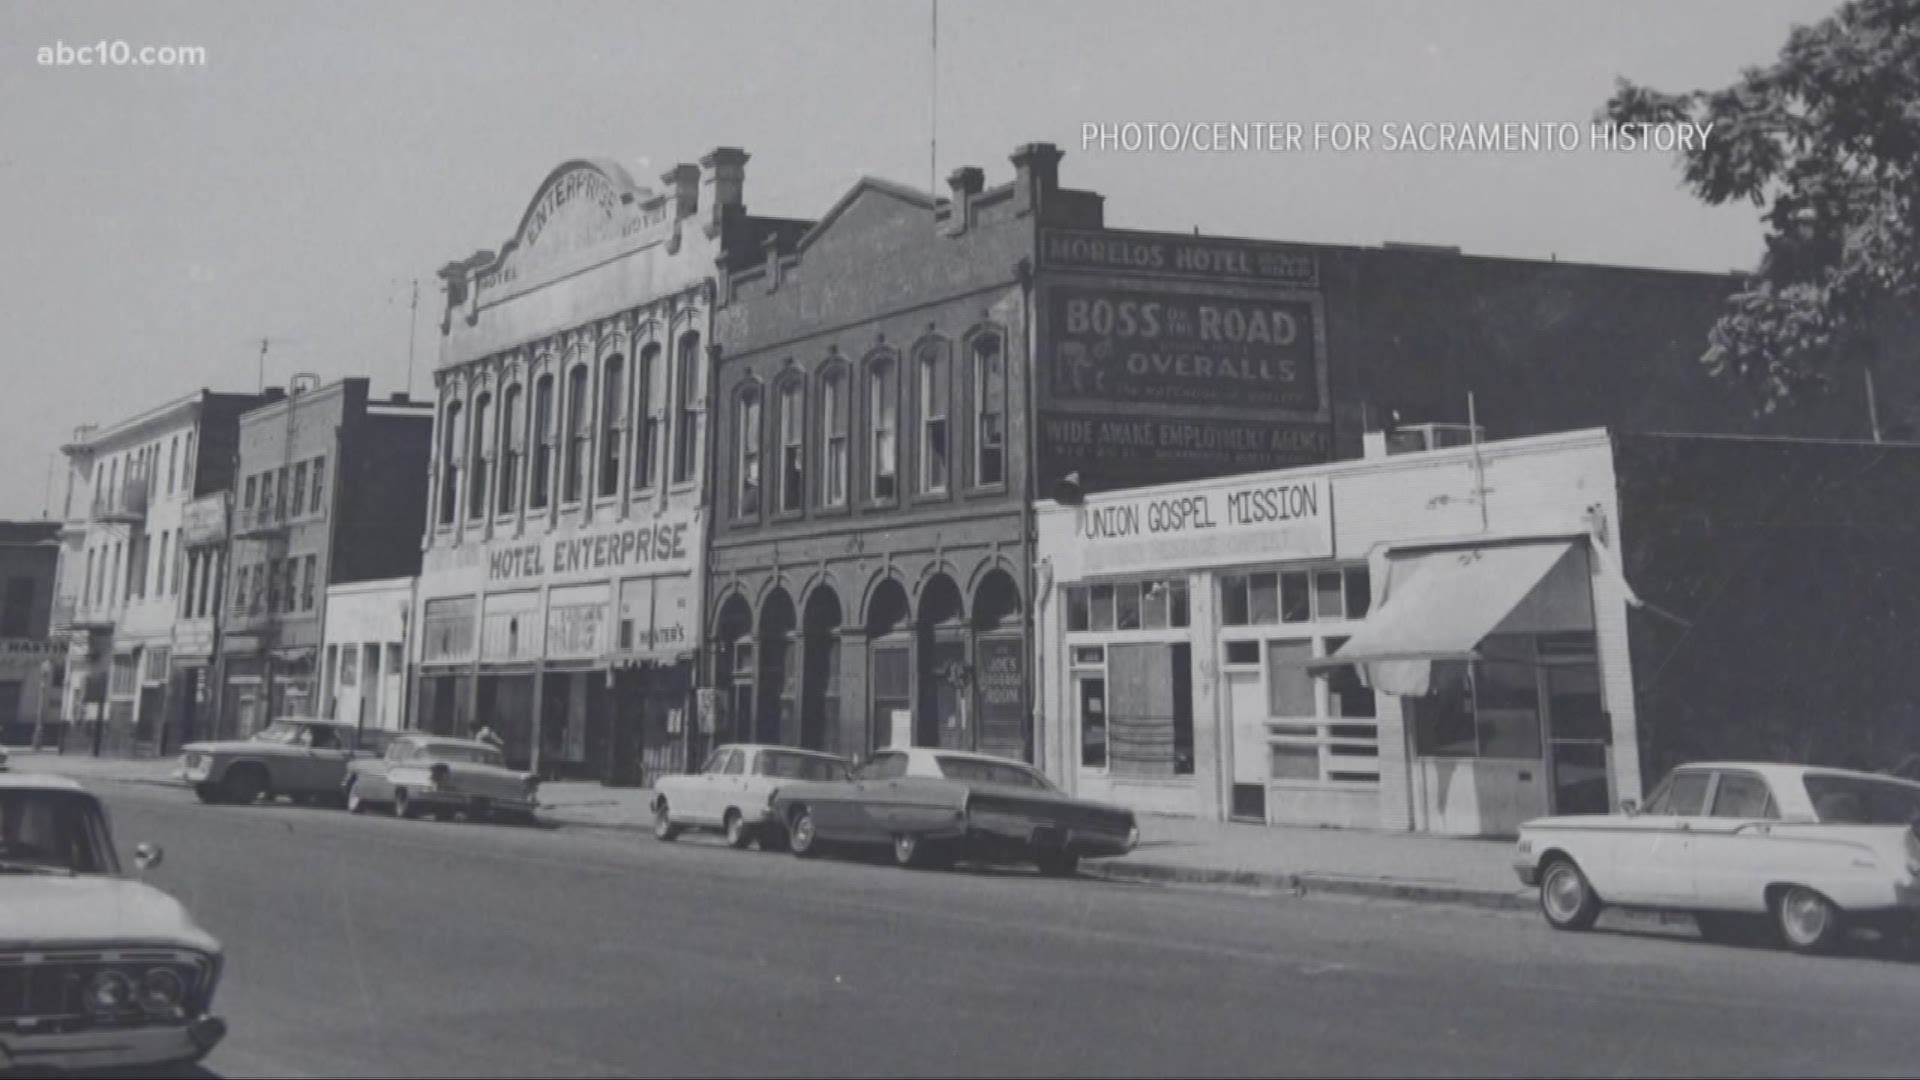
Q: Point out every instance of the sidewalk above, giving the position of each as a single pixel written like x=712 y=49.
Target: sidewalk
x=1405 y=866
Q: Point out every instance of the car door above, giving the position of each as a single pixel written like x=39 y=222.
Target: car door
x=372 y=781
x=862 y=812
x=712 y=799
x=1649 y=860
x=327 y=758
x=1731 y=847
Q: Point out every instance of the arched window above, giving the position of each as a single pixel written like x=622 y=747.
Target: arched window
x=449 y=464
x=833 y=436
x=613 y=422
x=513 y=434
x=646 y=425
x=477 y=457
x=793 y=446
x=579 y=432
x=747 y=424
x=936 y=428
x=542 y=444
x=883 y=421
x=686 y=424
x=989 y=411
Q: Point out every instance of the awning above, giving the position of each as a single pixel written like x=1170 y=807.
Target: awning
x=1439 y=606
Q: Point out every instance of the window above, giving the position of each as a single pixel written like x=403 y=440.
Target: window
x=160 y=564
x=286 y=500
x=1859 y=800
x=307 y=591
x=686 y=427
x=299 y=487
x=186 y=466
x=1311 y=737
x=449 y=462
x=883 y=419
x=735 y=764
x=793 y=447
x=272 y=569
x=319 y=483
x=1490 y=707
x=885 y=767
x=1296 y=596
x=991 y=772
x=1151 y=604
x=173 y=463
x=17 y=620
x=935 y=429
x=579 y=433
x=542 y=444
x=646 y=425
x=477 y=456
x=1744 y=795
x=747 y=419
x=1684 y=794
x=613 y=422
x=513 y=430
x=833 y=437
x=990 y=411
x=238 y=601
x=246 y=502
x=89 y=587
x=266 y=495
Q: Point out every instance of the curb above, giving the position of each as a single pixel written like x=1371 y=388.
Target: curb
x=1306 y=883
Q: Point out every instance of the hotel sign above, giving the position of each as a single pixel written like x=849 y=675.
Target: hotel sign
x=579 y=210
x=648 y=545
x=1269 y=519
x=1110 y=251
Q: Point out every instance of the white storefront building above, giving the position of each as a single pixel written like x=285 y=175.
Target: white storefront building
x=1185 y=632
x=364 y=673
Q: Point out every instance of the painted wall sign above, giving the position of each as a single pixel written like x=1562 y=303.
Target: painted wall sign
x=1271 y=519
x=577 y=211
x=1112 y=452
x=204 y=520
x=1170 y=348
x=1110 y=251
x=653 y=545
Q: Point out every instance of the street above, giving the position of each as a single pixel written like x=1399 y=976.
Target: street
x=365 y=946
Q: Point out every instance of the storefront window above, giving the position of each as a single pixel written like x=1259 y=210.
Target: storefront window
x=1263 y=603
x=1126 y=601
x=1151 y=604
x=1079 y=615
x=1103 y=607
x=1491 y=708
x=1295 y=596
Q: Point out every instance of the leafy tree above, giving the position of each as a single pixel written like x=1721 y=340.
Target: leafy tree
x=1827 y=138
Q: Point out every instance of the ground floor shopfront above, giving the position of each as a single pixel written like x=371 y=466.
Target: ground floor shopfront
x=260 y=683
x=914 y=636
x=1193 y=636
x=578 y=649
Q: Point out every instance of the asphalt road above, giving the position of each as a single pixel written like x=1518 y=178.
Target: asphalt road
x=364 y=946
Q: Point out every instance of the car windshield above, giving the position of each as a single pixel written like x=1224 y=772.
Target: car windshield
x=801 y=767
x=1858 y=800
x=53 y=832
x=280 y=731
x=992 y=772
x=475 y=755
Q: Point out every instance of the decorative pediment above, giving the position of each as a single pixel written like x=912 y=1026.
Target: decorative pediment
x=581 y=207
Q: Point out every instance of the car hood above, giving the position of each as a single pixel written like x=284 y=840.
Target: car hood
x=93 y=909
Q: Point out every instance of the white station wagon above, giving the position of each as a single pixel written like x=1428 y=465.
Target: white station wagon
x=1813 y=851
x=733 y=790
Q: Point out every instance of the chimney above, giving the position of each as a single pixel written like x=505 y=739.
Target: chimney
x=1036 y=169
x=723 y=174
x=399 y=397
x=965 y=183
x=683 y=187
x=272 y=393
x=771 y=246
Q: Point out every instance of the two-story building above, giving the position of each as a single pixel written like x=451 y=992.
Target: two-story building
x=122 y=570
x=559 y=601
x=331 y=485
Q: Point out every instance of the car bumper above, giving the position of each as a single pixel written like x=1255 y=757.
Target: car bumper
x=112 y=1049
x=1528 y=873
x=1023 y=840
x=464 y=800
x=197 y=774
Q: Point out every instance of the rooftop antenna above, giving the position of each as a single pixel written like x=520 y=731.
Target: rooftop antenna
x=413 y=333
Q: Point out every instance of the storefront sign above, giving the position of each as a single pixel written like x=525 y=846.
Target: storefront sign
x=204 y=520
x=662 y=545
x=510 y=628
x=1129 y=451
x=1000 y=676
x=1162 y=347
x=1270 y=519
x=1112 y=251
x=31 y=647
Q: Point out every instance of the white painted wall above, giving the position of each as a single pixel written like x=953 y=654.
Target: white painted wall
x=371 y=617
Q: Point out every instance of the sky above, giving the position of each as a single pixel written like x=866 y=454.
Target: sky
x=160 y=221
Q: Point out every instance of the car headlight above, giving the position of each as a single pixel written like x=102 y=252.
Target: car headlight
x=162 y=992
x=108 y=993
x=1133 y=837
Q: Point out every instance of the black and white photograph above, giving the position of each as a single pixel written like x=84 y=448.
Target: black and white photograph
x=989 y=538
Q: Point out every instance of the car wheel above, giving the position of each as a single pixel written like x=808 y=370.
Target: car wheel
x=1565 y=897
x=1808 y=922
x=209 y=794
x=355 y=804
x=914 y=853
x=802 y=840
x=739 y=835
x=663 y=826
x=403 y=805
x=1058 y=863
x=245 y=785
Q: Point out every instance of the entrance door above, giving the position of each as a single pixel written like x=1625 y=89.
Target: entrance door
x=1579 y=733
x=892 y=693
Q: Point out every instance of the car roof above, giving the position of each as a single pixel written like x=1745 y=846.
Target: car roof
x=925 y=752
x=750 y=747
x=310 y=720
x=1787 y=771
x=445 y=740
x=40 y=782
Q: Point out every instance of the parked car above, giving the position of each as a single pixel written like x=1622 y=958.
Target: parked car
x=301 y=758
x=935 y=807
x=3 y=759
x=97 y=970
x=1804 y=852
x=733 y=792
x=440 y=776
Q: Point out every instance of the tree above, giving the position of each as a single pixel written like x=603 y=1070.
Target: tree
x=1827 y=138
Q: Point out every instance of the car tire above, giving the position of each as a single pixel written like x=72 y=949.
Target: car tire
x=802 y=839
x=245 y=784
x=355 y=804
x=914 y=853
x=209 y=794
x=403 y=806
x=1058 y=863
x=739 y=833
x=1566 y=899
x=1807 y=921
x=663 y=826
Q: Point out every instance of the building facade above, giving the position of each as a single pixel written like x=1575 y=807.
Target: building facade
x=32 y=662
x=330 y=488
x=205 y=526
x=559 y=600
x=364 y=668
x=123 y=569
